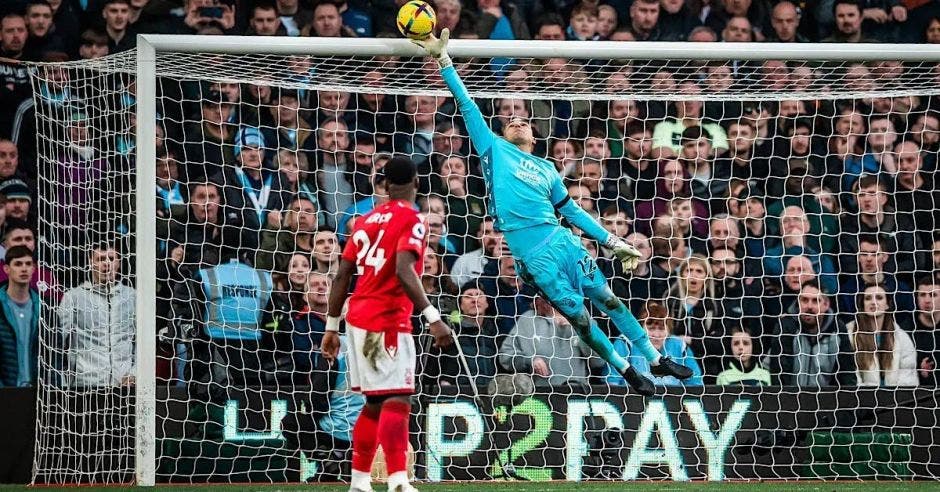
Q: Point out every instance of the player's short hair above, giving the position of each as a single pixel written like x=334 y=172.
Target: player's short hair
x=400 y=170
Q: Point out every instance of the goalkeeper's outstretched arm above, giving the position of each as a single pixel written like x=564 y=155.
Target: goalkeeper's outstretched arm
x=577 y=217
x=480 y=133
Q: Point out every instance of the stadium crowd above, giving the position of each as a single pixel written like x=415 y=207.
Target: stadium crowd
x=784 y=242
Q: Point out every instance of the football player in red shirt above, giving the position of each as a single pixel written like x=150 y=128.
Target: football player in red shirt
x=384 y=249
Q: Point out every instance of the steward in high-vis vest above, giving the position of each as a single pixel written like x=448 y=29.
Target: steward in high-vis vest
x=220 y=312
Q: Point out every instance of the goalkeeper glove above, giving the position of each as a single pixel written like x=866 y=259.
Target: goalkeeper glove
x=436 y=47
x=628 y=255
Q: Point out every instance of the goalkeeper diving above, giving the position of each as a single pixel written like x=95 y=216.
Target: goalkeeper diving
x=526 y=194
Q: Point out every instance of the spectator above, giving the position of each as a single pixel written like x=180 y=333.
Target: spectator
x=884 y=353
x=419 y=117
x=97 y=324
x=209 y=141
x=743 y=367
x=251 y=191
x=511 y=296
x=284 y=308
x=915 y=190
x=848 y=23
x=292 y=131
x=93 y=44
x=335 y=168
x=582 y=25
x=437 y=283
x=659 y=326
x=667 y=135
x=326 y=252
x=308 y=328
x=924 y=324
x=450 y=15
x=327 y=23
x=643 y=283
x=542 y=343
x=785 y=20
x=10 y=167
x=465 y=205
x=872 y=256
x=875 y=216
x=644 y=20
x=470 y=265
x=810 y=347
x=669 y=252
x=738 y=29
x=293 y=17
x=696 y=314
x=265 y=21
x=19 y=320
x=709 y=182
x=676 y=20
x=298 y=227
x=476 y=333
x=797 y=239
x=606 y=21
x=229 y=335
x=13 y=36
x=208 y=234
x=42 y=36
x=19 y=200
x=19 y=233
x=741 y=159
x=734 y=292
x=797 y=271
x=122 y=36
x=672 y=184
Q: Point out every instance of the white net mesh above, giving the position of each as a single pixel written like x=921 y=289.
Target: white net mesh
x=770 y=199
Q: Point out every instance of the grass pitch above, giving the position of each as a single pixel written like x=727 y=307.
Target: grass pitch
x=846 y=486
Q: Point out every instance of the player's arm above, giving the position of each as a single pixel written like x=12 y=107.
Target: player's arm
x=593 y=229
x=480 y=133
x=329 y=346
x=405 y=271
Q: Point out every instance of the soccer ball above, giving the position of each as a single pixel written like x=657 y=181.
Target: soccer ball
x=416 y=19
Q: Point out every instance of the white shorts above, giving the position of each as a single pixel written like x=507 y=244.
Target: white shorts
x=394 y=371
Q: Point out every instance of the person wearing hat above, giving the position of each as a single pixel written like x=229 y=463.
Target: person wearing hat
x=18 y=199
x=251 y=190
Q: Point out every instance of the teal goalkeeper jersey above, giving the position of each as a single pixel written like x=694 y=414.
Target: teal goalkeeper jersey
x=523 y=189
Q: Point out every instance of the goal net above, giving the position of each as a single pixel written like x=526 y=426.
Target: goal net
x=785 y=206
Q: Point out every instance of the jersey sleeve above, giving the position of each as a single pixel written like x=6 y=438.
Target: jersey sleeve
x=351 y=250
x=411 y=235
x=574 y=213
x=480 y=134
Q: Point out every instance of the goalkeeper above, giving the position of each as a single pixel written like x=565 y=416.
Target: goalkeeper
x=526 y=194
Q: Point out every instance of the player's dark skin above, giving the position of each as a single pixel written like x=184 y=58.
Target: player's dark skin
x=410 y=283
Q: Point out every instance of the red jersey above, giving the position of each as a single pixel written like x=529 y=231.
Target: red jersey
x=378 y=302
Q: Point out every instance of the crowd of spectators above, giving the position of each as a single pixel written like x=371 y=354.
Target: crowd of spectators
x=786 y=242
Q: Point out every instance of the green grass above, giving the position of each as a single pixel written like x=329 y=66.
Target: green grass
x=846 y=486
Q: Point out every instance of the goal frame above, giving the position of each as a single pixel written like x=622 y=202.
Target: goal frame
x=149 y=46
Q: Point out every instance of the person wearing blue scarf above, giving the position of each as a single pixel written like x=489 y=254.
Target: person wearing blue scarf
x=251 y=191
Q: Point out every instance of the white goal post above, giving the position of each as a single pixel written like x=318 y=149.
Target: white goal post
x=155 y=55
